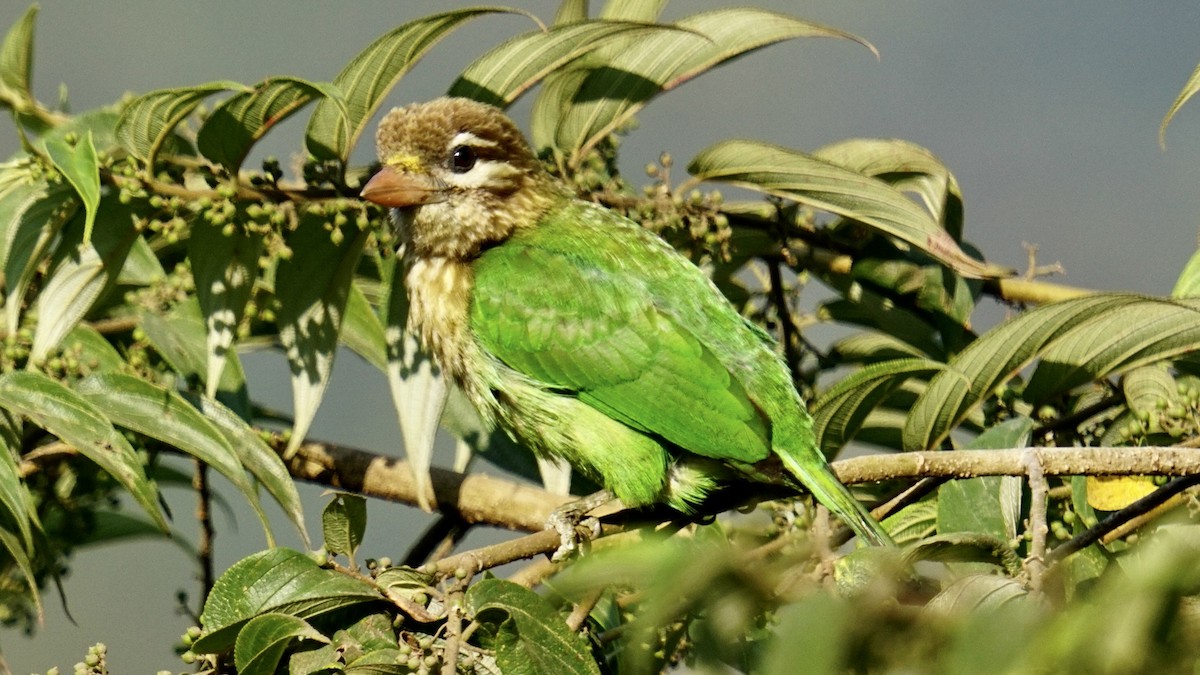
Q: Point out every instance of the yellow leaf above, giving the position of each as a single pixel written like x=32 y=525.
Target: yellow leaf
x=1110 y=493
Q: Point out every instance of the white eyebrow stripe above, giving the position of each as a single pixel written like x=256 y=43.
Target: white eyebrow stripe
x=468 y=138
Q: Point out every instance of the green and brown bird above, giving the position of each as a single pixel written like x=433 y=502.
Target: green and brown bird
x=580 y=333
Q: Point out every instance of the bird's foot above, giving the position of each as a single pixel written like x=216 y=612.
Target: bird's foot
x=567 y=519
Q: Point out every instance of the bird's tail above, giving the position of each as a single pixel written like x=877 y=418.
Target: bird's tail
x=816 y=476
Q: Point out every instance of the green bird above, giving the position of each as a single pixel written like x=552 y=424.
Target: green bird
x=583 y=335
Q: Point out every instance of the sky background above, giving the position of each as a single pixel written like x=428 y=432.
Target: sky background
x=1047 y=113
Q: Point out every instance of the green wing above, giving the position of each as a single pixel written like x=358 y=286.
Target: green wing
x=591 y=305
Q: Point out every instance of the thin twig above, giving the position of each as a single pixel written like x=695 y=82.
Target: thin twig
x=583 y=608
x=204 y=547
x=1035 y=564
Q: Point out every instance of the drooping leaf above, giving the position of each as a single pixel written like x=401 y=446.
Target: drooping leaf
x=829 y=187
x=907 y=167
x=994 y=358
x=81 y=167
x=651 y=64
x=343 y=524
x=839 y=412
x=16 y=62
x=81 y=277
x=151 y=118
x=163 y=414
x=418 y=392
x=863 y=306
x=179 y=336
x=36 y=216
x=224 y=267
x=1188 y=283
x=14 y=494
x=362 y=331
x=277 y=580
x=312 y=288
x=257 y=457
x=1189 y=90
x=364 y=82
x=77 y=422
x=261 y=643
x=12 y=545
x=502 y=75
x=529 y=636
x=240 y=120
x=1149 y=330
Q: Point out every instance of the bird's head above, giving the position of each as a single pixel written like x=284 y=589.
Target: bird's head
x=458 y=176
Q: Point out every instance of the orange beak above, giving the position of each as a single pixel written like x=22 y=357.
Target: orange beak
x=401 y=189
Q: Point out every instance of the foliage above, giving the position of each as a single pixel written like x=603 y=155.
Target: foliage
x=139 y=253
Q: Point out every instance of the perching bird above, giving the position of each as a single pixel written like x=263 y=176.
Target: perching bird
x=583 y=335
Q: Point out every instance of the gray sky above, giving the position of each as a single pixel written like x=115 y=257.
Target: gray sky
x=1046 y=112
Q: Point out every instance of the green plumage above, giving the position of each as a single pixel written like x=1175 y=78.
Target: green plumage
x=589 y=338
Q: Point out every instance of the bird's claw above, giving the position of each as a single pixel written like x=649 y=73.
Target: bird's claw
x=567 y=522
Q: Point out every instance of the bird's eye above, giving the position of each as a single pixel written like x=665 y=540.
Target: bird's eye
x=462 y=159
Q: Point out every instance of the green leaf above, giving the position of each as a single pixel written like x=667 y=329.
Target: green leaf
x=312 y=288
x=94 y=351
x=418 y=393
x=648 y=65
x=225 y=268
x=12 y=545
x=502 y=75
x=142 y=266
x=1149 y=330
x=81 y=167
x=179 y=336
x=1188 y=284
x=332 y=130
x=238 y=122
x=81 y=277
x=78 y=423
x=16 y=62
x=977 y=592
x=815 y=632
x=1189 y=90
x=163 y=414
x=262 y=642
x=839 y=412
x=257 y=457
x=527 y=633
x=907 y=167
x=633 y=10
x=362 y=331
x=343 y=523
x=570 y=11
x=1149 y=388
x=829 y=187
x=36 y=215
x=150 y=119
x=277 y=580
x=989 y=505
x=998 y=355
x=14 y=495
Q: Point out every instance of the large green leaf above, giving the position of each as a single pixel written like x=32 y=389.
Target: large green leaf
x=312 y=287
x=163 y=414
x=78 y=423
x=14 y=496
x=839 y=413
x=180 y=337
x=82 y=274
x=365 y=81
x=990 y=505
x=261 y=643
x=34 y=216
x=151 y=118
x=278 y=580
x=650 y=64
x=907 y=167
x=80 y=166
x=225 y=267
x=257 y=457
x=16 y=62
x=993 y=359
x=502 y=75
x=236 y=125
x=830 y=187
x=1149 y=330
x=527 y=633
x=362 y=331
